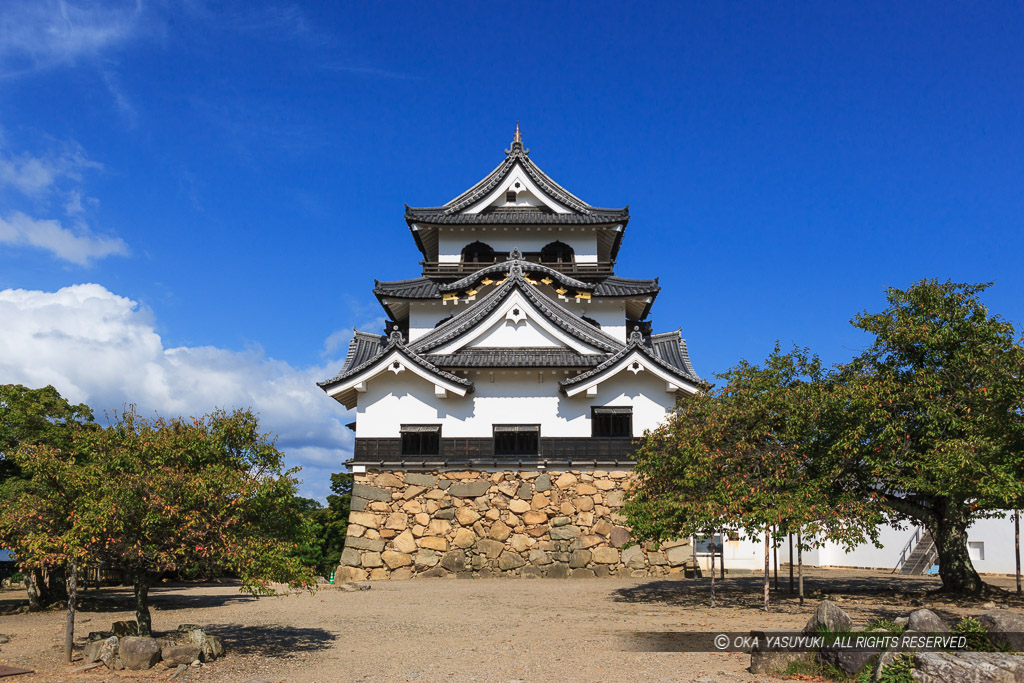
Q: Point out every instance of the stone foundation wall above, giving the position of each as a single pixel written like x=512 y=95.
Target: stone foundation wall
x=512 y=523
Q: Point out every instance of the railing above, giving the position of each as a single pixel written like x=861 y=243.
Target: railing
x=460 y=269
x=459 y=450
x=907 y=549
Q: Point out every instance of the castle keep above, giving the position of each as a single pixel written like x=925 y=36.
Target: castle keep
x=497 y=414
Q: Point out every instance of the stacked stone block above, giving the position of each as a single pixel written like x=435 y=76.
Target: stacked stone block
x=512 y=523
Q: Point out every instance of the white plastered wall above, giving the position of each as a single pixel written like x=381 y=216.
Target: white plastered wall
x=424 y=316
x=514 y=397
x=990 y=544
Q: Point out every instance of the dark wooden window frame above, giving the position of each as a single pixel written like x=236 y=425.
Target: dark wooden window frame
x=611 y=422
x=420 y=440
x=517 y=440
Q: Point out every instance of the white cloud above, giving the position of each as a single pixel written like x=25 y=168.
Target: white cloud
x=78 y=246
x=102 y=349
x=38 y=34
x=35 y=175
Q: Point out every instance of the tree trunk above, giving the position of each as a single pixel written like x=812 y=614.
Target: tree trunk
x=142 y=604
x=693 y=553
x=775 y=559
x=767 y=572
x=800 y=564
x=791 y=563
x=69 y=624
x=955 y=568
x=36 y=588
x=712 y=570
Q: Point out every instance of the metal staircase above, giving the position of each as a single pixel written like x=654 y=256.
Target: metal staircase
x=918 y=555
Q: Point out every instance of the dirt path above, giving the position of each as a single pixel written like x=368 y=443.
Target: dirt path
x=462 y=630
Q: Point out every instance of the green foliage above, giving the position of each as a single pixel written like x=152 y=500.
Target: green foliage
x=899 y=670
x=886 y=625
x=17 y=577
x=208 y=493
x=163 y=495
x=36 y=522
x=816 y=669
x=930 y=416
x=927 y=424
x=977 y=636
x=746 y=457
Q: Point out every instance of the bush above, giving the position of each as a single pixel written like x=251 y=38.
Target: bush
x=977 y=636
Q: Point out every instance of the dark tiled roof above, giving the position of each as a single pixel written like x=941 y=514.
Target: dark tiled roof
x=363 y=347
x=516 y=155
x=506 y=266
x=416 y=288
x=425 y=288
x=556 y=314
x=516 y=358
x=636 y=343
x=437 y=216
x=623 y=286
x=396 y=343
x=671 y=348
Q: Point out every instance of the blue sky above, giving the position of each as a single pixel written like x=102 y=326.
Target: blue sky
x=196 y=197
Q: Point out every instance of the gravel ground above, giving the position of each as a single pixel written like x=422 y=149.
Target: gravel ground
x=462 y=630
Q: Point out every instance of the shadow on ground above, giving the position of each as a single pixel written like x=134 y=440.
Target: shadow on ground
x=271 y=641
x=880 y=595
x=164 y=597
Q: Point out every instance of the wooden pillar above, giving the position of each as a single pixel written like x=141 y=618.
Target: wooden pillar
x=1016 y=544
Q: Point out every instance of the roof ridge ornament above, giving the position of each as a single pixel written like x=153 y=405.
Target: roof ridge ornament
x=636 y=337
x=396 y=338
x=515 y=255
x=517 y=145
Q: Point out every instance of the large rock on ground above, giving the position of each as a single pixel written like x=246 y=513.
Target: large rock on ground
x=91 y=651
x=176 y=654
x=1004 y=628
x=848 y=660
x=138 y=653
x=210 y=647
x=926 y=621
x=829 y=617
x=777 y=661
x=968 y=667
x=108 y=652
x=769 y=660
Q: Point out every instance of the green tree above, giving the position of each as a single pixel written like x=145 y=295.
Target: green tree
x=38 y=417
x=335 y=523
x=744 y=457
x=929 y=417
x=329 y=525
x=163 y=495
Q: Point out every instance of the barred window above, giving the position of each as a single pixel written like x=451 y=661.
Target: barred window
x=517 y=440
x=421 y=439
x=617 y=422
